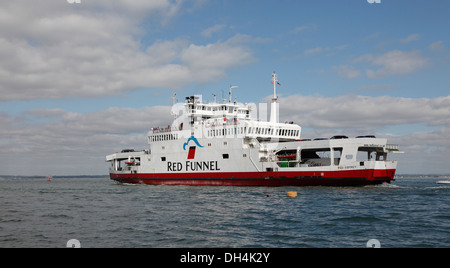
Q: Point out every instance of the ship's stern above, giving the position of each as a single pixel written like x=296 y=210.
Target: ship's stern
x=385 y=170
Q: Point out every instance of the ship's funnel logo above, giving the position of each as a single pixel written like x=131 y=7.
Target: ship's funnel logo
x=191 y=154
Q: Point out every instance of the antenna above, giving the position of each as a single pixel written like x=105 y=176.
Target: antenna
x=214 y=98
x=174 y=98
x=230 y=90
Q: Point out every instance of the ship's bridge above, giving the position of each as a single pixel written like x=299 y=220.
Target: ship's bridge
x=225 y=119
x=194 y=107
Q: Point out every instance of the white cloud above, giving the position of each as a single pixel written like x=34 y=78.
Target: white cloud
x=210 y=61
x=73 y=143
x=377 y=88
x=302 y=28
x=410 y=38
x=93 y=49
x=437 y=46
x=425 y=152
x=313 y=50
x=427 y=149
x=394 y=62
x=346 y=71
x=298 y=29
x=323 y=49
x=245 y=38
x=364 y=113
x=213 y=29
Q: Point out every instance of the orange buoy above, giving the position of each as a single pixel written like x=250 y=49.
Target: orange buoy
x=291 y=194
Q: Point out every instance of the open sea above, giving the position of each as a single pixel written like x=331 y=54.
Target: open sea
x=411 y=212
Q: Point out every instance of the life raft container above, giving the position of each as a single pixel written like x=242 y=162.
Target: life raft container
x=287 y=156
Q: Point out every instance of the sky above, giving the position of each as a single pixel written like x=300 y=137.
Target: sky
x=82 y=80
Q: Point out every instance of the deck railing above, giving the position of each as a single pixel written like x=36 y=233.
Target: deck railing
x=392 y=147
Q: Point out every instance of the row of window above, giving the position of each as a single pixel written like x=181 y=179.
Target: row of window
x=218 y=108
x=163 y=137
x=226 y=131
x=254 y=130
x=233 y=131
x=272 y=131
x=224 y=156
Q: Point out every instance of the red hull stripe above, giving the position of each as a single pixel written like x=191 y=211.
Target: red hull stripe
x=332 y=178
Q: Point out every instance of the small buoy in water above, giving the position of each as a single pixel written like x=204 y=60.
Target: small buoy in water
x=267 y=195
x=291 y=194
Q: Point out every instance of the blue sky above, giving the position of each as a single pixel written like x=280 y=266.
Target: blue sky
x=382 y=68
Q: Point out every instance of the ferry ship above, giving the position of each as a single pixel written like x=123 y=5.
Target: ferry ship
x=222 y=143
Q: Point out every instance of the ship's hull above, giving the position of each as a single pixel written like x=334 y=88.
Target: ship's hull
x=316 y=178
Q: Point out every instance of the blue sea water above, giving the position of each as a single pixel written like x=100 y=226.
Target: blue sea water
x=410 y=212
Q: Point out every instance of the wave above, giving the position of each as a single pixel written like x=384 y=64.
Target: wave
x=385 y=185
x=440 y=186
